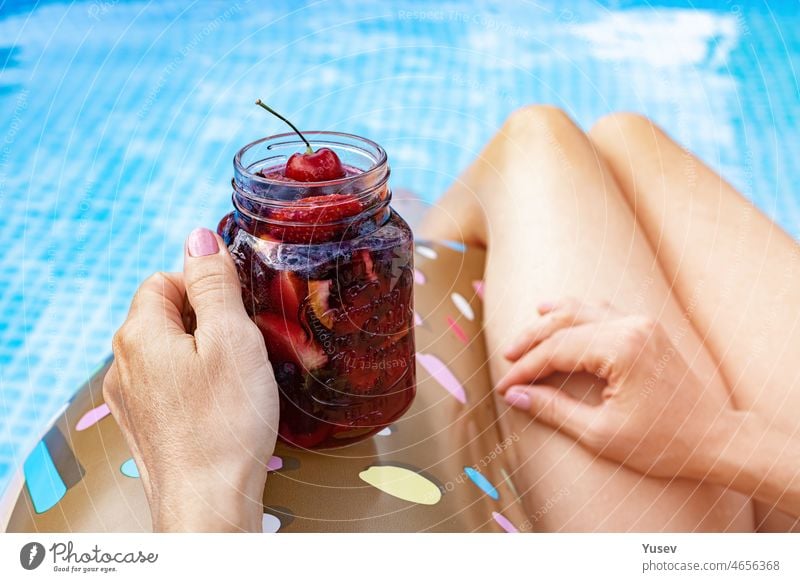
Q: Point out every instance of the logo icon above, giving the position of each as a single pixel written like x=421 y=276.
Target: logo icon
x=31 y=555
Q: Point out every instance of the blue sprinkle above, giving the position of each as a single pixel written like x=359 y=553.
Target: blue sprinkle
x=482 y=482
x=129 y=469
x=44 y=484
x=455 y=245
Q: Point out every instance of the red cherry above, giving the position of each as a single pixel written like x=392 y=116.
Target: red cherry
x=310 y=166
x=319 y=166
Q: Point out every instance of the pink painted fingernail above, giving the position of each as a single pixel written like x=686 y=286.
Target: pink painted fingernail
x=546 y=306
x=202 y=243
x=518 y=400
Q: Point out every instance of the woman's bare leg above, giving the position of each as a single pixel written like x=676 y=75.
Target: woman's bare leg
x=735 y=271
x=541 y=200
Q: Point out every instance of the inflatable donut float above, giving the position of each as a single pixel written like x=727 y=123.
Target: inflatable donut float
x=441 y=467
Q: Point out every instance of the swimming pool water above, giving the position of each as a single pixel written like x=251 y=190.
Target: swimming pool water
x=120 y=120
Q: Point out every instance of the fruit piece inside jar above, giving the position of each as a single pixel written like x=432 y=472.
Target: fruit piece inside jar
x=336 y=314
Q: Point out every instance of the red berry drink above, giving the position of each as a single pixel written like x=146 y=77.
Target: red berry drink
x=327 y=275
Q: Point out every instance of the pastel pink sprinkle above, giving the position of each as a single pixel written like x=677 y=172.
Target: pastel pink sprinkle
x=419 y=277
x=274 y=463
x=417 y=319
x=503 y=522
x=443 y=376
x=93 y=416
x=478 y=286
x=460 y=334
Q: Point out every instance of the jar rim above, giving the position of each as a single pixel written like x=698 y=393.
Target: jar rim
x=258 y=179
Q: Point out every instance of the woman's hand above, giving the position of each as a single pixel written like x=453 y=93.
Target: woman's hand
x=198 y=407
x=656 y=415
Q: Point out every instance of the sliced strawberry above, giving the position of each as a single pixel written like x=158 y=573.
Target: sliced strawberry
x=309 y=219
x=316 y=209
x=369 y=266
x=287 y=342
x=319 y=293
x=284 y=293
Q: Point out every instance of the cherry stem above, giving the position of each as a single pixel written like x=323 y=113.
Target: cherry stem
x=260 y=103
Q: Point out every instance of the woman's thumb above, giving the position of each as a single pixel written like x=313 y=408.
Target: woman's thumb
x=212 y=283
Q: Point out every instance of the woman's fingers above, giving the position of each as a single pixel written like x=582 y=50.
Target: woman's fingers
x=586 y=348
x=158 y=304
x=555 y=316
x=112 y=391
x=212 y=283
x=555 y=408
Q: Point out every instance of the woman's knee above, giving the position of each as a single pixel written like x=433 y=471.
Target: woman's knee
x=623 y=127
x=530 y=116
x=533 y=124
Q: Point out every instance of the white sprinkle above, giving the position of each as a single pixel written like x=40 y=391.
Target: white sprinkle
x=426 y=252
x=463 y=306
x=270 y=523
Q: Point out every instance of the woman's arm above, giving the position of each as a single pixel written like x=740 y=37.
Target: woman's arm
x=656 y=415
x=198 y=407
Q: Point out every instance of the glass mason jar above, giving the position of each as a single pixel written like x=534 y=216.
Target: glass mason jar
x=327 y=275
